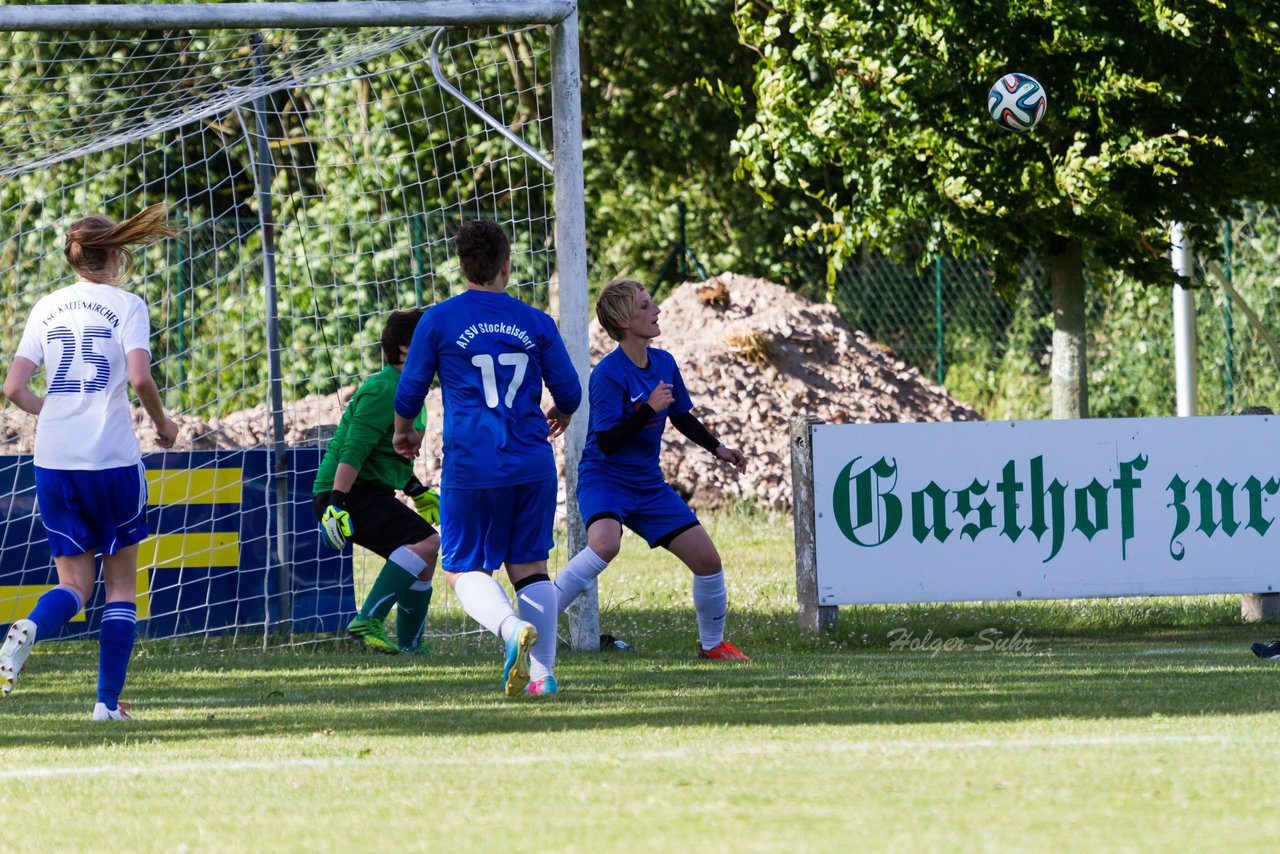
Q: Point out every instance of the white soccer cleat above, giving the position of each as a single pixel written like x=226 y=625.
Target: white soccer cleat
x=102 y=713
x=13 y=655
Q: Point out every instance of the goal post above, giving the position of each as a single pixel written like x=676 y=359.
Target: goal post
x=319 y=156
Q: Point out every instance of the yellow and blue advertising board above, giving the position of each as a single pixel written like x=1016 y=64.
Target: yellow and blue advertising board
x=211 y=563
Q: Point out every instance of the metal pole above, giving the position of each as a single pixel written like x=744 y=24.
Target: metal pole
x=938 y=320
x=185 y=278
x=682 y=264
x=248 y=16
x=1184 y=323
x=479 y=111
x=1229 y=368
x=275 y=376
x=571 y=264
x=416 y=239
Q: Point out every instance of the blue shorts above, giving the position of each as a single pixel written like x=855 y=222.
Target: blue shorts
x=658 y=514
x=99 y=512
x=485 y=528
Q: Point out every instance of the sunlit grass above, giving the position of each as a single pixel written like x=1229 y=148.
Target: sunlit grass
x=1117 y=725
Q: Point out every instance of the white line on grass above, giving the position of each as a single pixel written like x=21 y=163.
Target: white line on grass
x=698 y=752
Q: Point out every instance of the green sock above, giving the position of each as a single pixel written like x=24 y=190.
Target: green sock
x=387 y=587
x=411 y=613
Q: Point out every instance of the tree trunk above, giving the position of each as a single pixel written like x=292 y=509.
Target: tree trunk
x=1070 y=378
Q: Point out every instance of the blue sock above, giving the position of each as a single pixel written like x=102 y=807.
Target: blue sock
x=53 y=611
x=115 y=645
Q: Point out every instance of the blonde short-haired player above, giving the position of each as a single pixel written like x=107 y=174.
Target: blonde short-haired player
x=92 y=337
x=633 y=392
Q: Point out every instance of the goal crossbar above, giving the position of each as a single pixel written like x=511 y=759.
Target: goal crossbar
x=360 y=13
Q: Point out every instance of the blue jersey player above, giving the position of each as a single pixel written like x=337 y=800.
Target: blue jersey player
x=93 y=339
x=634 y=391
x=492 y=354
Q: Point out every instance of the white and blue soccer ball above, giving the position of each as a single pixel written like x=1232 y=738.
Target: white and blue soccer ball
x=1017 y=102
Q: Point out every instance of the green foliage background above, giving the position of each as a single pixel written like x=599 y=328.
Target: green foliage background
x=859 y=125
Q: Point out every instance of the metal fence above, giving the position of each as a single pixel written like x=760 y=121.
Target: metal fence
x=947 y=319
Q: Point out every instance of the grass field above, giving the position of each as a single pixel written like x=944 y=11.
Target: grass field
x=1128 y=725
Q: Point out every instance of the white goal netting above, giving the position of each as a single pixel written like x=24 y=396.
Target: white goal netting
x=318 y=176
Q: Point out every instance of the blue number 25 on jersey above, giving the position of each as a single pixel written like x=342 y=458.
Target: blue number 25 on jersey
x=85 y=346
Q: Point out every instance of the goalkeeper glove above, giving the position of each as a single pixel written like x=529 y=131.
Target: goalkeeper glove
x=336 y=522
x=426 y=501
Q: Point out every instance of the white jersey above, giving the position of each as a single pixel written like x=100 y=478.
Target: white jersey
x=81 y=334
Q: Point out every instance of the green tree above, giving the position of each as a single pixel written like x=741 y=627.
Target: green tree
x=658 y=128
x=1158 y=111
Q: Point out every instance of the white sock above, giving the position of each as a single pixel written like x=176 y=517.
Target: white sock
x=711 y=601
x=485 y=601
x=408 y=560
x=537 y=602
x=577 y=575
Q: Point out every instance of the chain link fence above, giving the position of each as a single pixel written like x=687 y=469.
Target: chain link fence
x=947 y=319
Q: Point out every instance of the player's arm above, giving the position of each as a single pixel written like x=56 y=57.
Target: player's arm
x=335 y=523
x=562 y=381
x=368 y=419
x=683 y=419
x=608 y=400
x=15 y=385
x=425 y=501
x=415 y=381
x=695 y=431
x=616 y=437
x=139 y=364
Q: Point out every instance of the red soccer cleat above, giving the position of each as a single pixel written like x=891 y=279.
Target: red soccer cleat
x=725 y=651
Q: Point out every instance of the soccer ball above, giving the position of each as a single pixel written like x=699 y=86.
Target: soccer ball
x=1017 y=102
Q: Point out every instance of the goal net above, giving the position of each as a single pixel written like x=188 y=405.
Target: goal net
x=318 y=175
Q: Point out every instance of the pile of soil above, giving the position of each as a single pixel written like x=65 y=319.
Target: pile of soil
x=753 y=355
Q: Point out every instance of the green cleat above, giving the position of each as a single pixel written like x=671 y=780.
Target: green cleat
x=418 y=648
x=373 y=633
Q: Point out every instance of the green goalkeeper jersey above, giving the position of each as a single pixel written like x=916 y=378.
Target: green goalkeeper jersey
x=363 y=437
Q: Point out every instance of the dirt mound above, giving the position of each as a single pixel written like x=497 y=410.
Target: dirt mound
x=753 y=355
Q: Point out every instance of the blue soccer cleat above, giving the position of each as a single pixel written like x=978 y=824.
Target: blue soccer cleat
x=1266 y=650
x=546 y=686
x=515 y=668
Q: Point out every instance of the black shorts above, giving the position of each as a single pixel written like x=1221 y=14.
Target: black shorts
x=382 y=524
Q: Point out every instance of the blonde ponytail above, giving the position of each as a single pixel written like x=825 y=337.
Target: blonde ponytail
x=90 y=240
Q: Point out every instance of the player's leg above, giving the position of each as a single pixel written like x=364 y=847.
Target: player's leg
x=69 y=536
x=664 y=519
x=413 y=603
x=118 y=631
x=386 y=527
x=529 y=540
x=472 y=546
x=536 y=601
x=603 y=508
x=710 y=598
x=484 y=601
x=604 y=538
x=53 y=610
x=119 y=518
